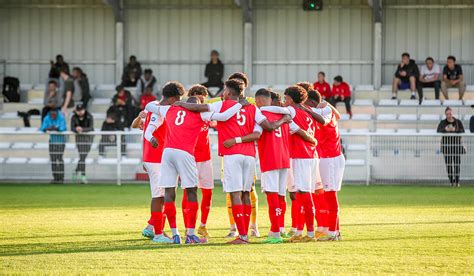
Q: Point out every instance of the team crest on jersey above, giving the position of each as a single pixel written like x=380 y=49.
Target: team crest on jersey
x=153 y=119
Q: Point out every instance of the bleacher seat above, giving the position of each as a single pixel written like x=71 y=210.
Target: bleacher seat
x=452 y=103
x=5 y=145
x=386 y=88
x=385 y=130
x=428 y=131
x=363 y=102
x=431 y=103
x=102 y=101
x=7 y=129
x=364 y=88
x=407 y=117
x=406 y=130
x=386 y=117
x=362 y=117
x=388 y=102
x=9 y=115
x=26 y=86
x=36 y=101
x=27 y=130
x=468 y=102
x=2 y=160
x=38 y=160
x=344 y=117
x=408 y=103
x=429 y=117
x=39 y=86
x=107 y=87
x=22 y=145
x=16 y=160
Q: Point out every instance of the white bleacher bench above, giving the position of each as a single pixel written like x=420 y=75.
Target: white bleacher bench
x=7 y=129
x=5 y=145
x=16 y=160
x=431 y=103
x=102 y=101
x=36 y=101
x=363 y=102
x=344 y=117
x=452 y=103
x=26 y=86
x=362 y=117
x=408 y=102
x=28 y=130
x=386 y=117
x=107 y=87
x=360 y=130
x=386 y=88
x=38 y=160
x=406 y=130
x=429 y=117
x=10 y=115
x=385 y=130
x=364 y=87
x=40 y=86
x=387 y=102
x=356 y=147
x=428 y=131
x=343 y=131
x=468 y=102
x=407 y=117
x=22 y=145
x=469 y=87
x=355 y=162
x=2 y=160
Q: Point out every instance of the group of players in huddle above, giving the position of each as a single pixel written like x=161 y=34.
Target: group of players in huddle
x=298 y=147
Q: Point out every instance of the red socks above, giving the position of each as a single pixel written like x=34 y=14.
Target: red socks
x=295 y=213
x=205 y=204
x=321 y=208
x=274 y=212
x=191 y=214
x=282 y=202
x=238 y=214
x=184 y=209
x=307 y=203
x=157 y=222
x=247 y=214
x=170 y=212
x=333 y=208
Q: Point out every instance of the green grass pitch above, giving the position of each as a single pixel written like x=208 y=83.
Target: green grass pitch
x=96 y=229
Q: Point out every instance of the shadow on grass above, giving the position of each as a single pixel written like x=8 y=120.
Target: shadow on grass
x=408 y=223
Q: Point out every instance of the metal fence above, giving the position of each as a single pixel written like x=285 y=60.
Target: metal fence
x=27 y=155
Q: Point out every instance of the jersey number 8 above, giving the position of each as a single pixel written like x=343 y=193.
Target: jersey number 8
x=180 y=117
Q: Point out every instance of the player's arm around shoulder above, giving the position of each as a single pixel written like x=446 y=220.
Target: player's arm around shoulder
x=252 y=137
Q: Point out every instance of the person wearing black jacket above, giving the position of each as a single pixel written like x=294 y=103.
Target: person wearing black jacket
x=107 y=140
x=81 y=122
x=54 y=72
x=406 y=77
x=132 y=72
x=451 y=145
x=214 y=72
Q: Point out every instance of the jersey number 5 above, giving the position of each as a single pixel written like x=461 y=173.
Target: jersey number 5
x=241 y=119
x=180 y=117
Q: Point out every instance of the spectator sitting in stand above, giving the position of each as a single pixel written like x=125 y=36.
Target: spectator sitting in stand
x=214 y=72
x=81 y=87
x=122 y=107
x=54 y=72
x=322 y=86
x=82 y=122
x=406 y=76
x=108 y=140
x=453 y=77
x=429 y=77
x=146 y=98
x=146 y=81
x=54 y=121
x=341 y=92
x=132 y=72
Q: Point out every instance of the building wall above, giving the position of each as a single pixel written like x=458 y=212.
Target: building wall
x=33 y=32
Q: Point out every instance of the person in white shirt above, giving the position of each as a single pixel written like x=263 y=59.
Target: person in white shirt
x=429 y=77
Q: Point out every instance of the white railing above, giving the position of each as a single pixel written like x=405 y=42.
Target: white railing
x=393 y=158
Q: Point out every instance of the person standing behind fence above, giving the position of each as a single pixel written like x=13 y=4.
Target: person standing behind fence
x=451 y=145
x=55 y=122
x=82 y=122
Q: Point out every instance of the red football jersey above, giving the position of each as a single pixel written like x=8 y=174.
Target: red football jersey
x=183 y=129
x=151 y=154
x=202 y=152
x=238 y=125
x=273 y=146
x=299 y=148
x=342 y=89
x=323 y=88
x=329 y=139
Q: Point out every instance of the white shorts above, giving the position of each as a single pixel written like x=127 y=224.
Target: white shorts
x=153 y=171
x=332 y=171
x=274 y=181
x=205 y=174
x=176 y=163
x=239 y=171
x=316 y=176
x=300 y=177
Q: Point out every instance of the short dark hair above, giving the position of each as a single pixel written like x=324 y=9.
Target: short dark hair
x=406 y=55
x=236 y=86
x=52 y=82
x=173 y=89
x=429 y=58
x=448 y=108
x=148 y=71
x=133 y=57
x=306 y=85
x=198 y=89
x=263 y=92
x=214 y=52
x=314 y=95
x=338 y=78
x=275 y=96
x=59 y=56
x=241 y=76
x=119 y=88
x=296 y=93
x=453 y=58
x=322 y=73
